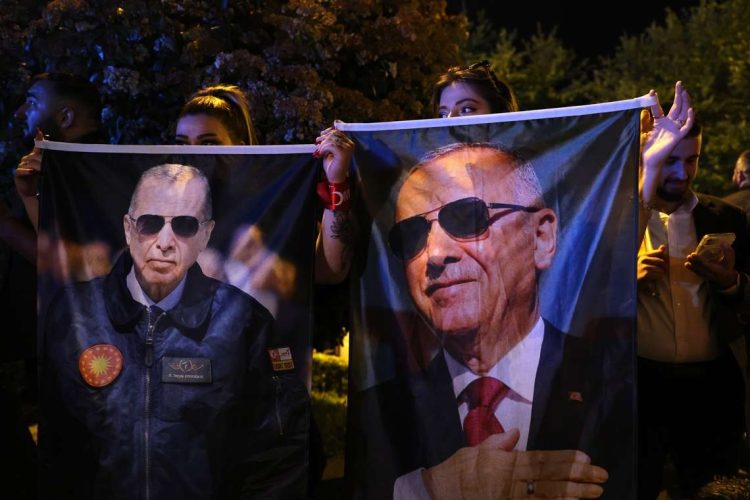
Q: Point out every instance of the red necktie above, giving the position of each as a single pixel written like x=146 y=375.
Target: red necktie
x=483 y=395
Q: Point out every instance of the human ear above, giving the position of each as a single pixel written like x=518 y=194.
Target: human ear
x=66 y=117
x=127 y=225
x=545 y=241
x=206 y=234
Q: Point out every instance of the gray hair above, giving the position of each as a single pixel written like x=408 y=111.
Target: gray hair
x=173 y=172
x=527 y=187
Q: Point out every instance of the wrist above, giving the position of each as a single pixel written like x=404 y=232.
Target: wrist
x=336 y=177
x=334 y=195
x=730 y=284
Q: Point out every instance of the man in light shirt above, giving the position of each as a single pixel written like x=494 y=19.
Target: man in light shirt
x=690 y=307
x=510 y=406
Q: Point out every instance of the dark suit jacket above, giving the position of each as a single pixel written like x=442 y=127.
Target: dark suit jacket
x=741 y=199
x=583 y=399
x=730 y=315
x=713 y=215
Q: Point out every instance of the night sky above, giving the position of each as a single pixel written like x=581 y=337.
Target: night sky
x=590 y=29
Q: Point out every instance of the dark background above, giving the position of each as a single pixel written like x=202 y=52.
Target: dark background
x=591 y=29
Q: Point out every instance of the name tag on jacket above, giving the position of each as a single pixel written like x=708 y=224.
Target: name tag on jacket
x=186 y=370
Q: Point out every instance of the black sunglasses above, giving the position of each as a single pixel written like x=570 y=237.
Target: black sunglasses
x=462 y=219
x=184 y=226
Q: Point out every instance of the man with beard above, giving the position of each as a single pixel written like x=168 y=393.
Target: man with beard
x=59 y=107
x=66 y=108
x=690 y=308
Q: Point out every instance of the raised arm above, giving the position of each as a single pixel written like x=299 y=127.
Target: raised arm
x=27 y=182
x=333 y=250
x=662 y=133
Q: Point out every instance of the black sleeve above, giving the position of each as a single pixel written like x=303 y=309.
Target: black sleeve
x=270 y=447
x=67 y=458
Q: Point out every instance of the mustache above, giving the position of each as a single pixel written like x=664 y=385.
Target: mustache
x=448 y=276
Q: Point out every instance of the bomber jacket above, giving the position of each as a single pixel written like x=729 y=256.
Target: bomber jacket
x=195 y=412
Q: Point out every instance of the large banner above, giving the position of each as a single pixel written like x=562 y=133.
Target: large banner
x=174 y=299
x=492 y=350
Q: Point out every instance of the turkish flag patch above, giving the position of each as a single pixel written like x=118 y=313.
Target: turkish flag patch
x=100 y=364
x=281 y=359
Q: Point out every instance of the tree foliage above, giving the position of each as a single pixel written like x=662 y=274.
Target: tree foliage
x=708 y=48
x=307 y=62
x=303 y=62
x=540 y=69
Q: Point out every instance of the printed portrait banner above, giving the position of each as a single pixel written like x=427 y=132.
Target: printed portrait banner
x=215 y=375
x=494 y=290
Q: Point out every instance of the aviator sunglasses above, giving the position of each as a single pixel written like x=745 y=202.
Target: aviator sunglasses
x=463 y=219
x=184 y=226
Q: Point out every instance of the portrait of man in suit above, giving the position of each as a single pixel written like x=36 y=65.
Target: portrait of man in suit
x=509 y=405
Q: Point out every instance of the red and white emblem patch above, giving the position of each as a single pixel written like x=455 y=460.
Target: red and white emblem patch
x=281 y=359
x=100 y=364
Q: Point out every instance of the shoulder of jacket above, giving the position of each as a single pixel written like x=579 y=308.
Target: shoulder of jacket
x=230 y=293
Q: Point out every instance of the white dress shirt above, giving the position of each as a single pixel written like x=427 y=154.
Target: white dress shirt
x=517 y=370
x=673 y=312
x=165 y=304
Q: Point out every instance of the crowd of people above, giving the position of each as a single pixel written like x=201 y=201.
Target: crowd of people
x=692 y=307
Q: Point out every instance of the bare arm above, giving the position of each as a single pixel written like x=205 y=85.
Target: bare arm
x=333 y=251
x=662 y=134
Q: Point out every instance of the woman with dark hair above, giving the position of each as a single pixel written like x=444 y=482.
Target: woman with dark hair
x=220 y=116
x=216 y=116
x=473 y=90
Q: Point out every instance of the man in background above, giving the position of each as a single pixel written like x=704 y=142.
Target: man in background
x=690 y=308
x=62 y=107
x=741 y=178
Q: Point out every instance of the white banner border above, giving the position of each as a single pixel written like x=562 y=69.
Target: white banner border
x=176 y=149
x=588 y=109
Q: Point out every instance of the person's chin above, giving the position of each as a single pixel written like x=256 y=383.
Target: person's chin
x=160 y=275
x=460 y=341
x=27 y=139
x=456 y=324
x=675 y=193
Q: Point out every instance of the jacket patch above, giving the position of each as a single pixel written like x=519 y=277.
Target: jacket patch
x=186 y=370
x=575 y=396
x=100 y=364
x=281 y=359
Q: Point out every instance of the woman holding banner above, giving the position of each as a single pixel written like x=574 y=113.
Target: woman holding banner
x=474 y=90
x=220 y=116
